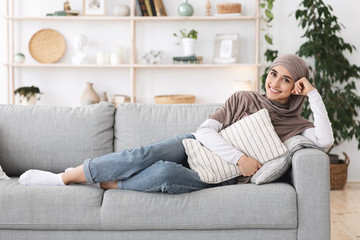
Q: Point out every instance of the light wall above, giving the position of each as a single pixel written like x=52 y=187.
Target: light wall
x=64 y=86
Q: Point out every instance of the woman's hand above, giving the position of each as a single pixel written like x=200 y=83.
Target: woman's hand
x=248 y=166
x=302 y=87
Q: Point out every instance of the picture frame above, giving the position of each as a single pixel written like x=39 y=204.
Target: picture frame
x=94 y=7
x=226 y=48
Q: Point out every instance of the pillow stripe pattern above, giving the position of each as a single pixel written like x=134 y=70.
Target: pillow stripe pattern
x=253 y=135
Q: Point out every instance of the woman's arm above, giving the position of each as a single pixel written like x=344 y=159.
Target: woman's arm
x=208 y=135
x=321 y=135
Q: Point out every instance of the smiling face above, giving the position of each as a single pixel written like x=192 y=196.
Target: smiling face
x=279 y=84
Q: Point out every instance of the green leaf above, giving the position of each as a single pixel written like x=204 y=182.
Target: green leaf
x=268 y=39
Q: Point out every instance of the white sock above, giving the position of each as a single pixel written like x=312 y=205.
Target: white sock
x=69 y=169
x=41 y=178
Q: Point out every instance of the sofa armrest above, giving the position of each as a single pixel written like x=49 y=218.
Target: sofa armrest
x=310 y=177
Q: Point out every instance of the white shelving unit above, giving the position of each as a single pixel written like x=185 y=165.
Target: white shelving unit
x=133 y=65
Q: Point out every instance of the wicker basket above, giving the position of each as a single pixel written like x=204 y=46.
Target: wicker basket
x=224 y=8
x=338 y=174
x=174 y=99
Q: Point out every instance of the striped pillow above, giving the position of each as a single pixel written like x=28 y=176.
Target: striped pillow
x=253 y=135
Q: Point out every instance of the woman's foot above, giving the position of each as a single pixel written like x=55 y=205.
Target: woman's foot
x=41 y=178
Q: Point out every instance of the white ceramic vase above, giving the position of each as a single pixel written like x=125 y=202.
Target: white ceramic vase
x=30 y=102
x=189 y=46
x=121 y=10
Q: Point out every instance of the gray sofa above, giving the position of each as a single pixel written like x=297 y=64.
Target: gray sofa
x=54 y=138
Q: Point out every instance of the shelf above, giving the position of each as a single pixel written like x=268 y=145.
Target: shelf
x=195 y=18
x=69 y=18
x=194 y=65
x=14 y=21
x=136 y=18
x=62 y=65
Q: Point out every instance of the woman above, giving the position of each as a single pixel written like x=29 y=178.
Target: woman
x=162 y=166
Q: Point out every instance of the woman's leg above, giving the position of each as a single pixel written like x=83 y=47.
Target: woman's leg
x=121 y=165
x=163 y=176
x=113 y=166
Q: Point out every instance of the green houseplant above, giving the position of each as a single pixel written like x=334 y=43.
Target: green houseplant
x=333 y=76
x=332 y=73
x=28 y=95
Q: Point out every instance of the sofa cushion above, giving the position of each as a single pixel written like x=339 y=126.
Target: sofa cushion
x=53 y=138
x=3 y=174
x=253 y=206
x=253 y=135
x=74 y=207
x=141 y=124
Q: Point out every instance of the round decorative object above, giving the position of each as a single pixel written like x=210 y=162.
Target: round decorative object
x=19 y=58
x=121 y=10
x=185 y=9
x=47 y=46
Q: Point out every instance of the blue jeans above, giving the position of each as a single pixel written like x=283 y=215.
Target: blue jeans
x=160 y=166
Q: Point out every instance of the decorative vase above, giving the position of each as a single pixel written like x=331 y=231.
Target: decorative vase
x=185 y=9
x=189 y=46
x=121 y=10
x=31 y=101
x=19 y=58
x=89 y=96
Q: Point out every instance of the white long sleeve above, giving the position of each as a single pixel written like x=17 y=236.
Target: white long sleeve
x=208 y=135
x=321 y=135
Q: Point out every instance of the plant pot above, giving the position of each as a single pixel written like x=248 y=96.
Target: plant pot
x=31 y=101
x=338 y=173
x=189 y=46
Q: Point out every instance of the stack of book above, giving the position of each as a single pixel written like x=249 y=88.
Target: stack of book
x=188 y=60
x=152 y=8
x=65 y=13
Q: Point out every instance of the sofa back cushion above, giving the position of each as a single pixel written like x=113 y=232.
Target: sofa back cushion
x=141 y=124
x=53 y=138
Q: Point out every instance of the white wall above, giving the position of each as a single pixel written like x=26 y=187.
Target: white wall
x=63 y=87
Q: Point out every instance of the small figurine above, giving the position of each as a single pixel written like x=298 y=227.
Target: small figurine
x=153 y=56
x=79 y=41
x=67 y=6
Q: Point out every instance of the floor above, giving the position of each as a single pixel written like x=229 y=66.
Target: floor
x=345 y=212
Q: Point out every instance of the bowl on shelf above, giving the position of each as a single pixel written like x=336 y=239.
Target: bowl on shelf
x=174 y=99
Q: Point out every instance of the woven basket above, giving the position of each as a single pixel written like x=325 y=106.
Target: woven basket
x=174 y=99
x=338 y=174
x=224 y=8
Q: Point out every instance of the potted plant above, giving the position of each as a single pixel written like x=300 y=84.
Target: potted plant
x=28 y=95
x=188 y=40
x=332 y=73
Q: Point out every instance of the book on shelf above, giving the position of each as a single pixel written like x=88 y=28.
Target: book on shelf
x=148 y=7
x=152 y=4
x=65 y=13
x=188 y=60
x=159 y=7
x=143 y=8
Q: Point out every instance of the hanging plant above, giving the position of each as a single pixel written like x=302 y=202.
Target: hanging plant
x=332 y=74
x=270 y=55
